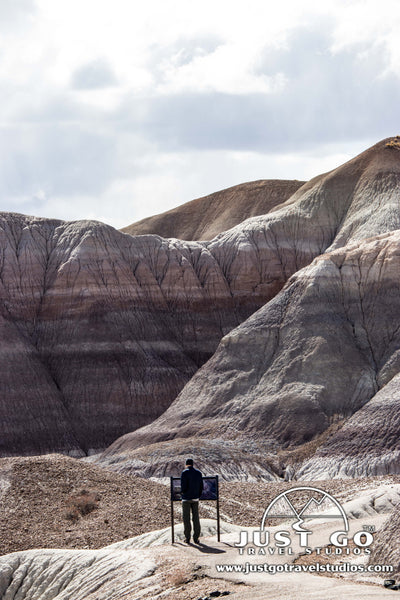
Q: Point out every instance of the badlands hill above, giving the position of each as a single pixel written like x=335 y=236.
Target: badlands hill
x=204 y=218
x=316 y=365
x=105 y=329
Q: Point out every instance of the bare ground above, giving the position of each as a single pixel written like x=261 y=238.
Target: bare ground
x=39 y=496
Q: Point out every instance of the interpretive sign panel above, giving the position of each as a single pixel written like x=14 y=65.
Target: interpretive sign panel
x=210 y=488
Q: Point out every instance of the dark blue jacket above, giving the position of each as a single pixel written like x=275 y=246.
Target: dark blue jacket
x=191 y=483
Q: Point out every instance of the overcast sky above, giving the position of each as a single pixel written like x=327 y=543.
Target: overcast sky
x=119 y=109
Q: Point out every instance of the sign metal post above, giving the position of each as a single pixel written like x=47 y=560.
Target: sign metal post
x=218 y=523
x=172 y=513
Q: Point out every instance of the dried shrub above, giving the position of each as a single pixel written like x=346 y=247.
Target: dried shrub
x=394 y=143
x=72 y=514
x=81 y=504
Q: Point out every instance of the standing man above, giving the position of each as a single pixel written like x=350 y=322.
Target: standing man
x=191 y=488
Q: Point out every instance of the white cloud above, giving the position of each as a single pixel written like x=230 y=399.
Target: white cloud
x=128 y=108
x=96 y=74
x=163 y=181
x=229 y=69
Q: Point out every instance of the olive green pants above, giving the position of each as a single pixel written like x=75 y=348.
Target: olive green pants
x=187 y=507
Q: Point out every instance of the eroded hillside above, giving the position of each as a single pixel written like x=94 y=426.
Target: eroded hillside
x=102 y=329
x=324 y=349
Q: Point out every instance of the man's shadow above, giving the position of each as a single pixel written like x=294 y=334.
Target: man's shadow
x=204 y=548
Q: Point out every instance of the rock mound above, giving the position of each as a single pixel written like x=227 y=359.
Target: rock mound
x=386 y=550
x=230 y=459
x=367 y=444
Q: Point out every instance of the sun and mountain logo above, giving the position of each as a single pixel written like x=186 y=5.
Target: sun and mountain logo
x=306 y=518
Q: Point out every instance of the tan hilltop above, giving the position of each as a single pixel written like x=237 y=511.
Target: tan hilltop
x=204 y=218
